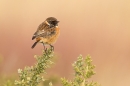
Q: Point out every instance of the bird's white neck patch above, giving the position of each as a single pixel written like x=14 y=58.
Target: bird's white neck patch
x=47 y=23
x=56 y=26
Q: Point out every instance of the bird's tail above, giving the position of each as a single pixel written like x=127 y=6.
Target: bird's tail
x=34 y=36
x=34 y=44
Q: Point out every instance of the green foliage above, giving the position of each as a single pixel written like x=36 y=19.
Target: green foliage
x=83 y=71
x=31 y=76
x=53 y=79
x=9 y=83
x=7 y=80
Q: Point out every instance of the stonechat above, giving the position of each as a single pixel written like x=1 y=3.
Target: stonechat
x=47 y=32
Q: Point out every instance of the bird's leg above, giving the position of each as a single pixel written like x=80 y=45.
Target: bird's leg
x=52 y=47
x=45 y=49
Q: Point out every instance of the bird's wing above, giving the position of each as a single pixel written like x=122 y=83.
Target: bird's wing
x=48 y=33
x=40 y=30
x=44 y=31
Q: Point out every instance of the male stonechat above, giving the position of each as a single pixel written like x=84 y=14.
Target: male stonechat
x=47 y=32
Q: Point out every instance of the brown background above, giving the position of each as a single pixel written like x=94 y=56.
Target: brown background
x=100 y=28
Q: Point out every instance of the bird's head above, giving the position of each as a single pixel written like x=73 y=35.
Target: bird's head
x=52 y=21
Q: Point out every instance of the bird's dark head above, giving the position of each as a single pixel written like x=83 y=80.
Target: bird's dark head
x=52 y=21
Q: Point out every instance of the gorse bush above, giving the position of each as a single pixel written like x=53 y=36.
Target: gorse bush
x=33 y=76
x=30 y=76
x=83 y=71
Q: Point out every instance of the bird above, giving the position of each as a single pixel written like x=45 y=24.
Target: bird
x=47 y=33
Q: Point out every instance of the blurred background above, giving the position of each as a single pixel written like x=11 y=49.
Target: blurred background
x=100 y=28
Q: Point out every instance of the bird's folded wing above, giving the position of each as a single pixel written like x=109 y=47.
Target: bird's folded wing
x=40 y=30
